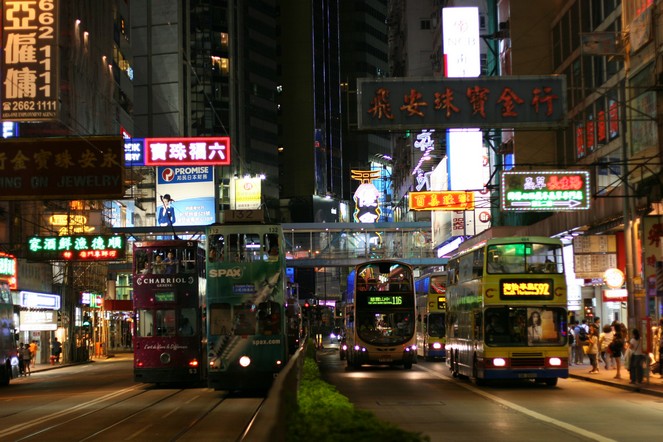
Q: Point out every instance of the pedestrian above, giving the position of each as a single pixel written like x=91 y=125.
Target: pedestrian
x=637 y=357
x=21 y=360
x=34 y=348
x=617 y=347
x=56 y=350
x=27 y=356
x=572 y=343
x=580 y=331
x=593 y=350
x=605 y=338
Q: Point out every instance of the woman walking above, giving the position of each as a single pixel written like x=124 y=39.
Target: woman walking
x=637 y=357
x=617 y=347
x=593 y=350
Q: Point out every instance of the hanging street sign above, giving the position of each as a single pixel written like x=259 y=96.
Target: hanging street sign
x=547 y=190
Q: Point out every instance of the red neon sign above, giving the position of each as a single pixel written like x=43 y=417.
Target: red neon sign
x=209 y=151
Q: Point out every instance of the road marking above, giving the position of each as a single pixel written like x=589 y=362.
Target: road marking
x=566 y=426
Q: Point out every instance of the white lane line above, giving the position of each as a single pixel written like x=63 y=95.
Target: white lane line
x=566 y=426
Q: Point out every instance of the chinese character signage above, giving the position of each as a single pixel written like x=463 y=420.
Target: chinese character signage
x=61 y=168
x=485 y=102
x=8 y=269
x=30 y=60
x=77 y=247
x=545 y=190
x=211 y=151
x=442 y=200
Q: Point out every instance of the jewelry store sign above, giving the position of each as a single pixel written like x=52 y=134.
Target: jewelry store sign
x=30 y=64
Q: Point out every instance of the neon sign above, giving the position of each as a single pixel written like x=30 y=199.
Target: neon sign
x=77 y=247
x=442 y=200
x=545 y=191
x=366 y=197
x=210 y=151
x=8 y=265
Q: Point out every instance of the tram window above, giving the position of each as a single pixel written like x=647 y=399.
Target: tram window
x=252 y=250
x=145 y=323
x=269 y=318
x=220 y=319
x=244 y=320
x=188 y=325
x=165 y=322
x=215 y=248
x=270 y=246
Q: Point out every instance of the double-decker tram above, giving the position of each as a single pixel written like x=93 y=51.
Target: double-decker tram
x=168 y=295
x=246 y=305
x=431 y=291
x=506 y=304
x=381 y=304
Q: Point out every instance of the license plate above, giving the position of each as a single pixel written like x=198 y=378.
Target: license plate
x=526 y=375
x=384 y=359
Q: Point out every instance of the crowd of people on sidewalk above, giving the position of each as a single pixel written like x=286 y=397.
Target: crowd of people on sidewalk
x=27 y=354
x=613 y=346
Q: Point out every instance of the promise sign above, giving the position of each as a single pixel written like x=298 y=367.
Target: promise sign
x=30 y=63
x=442 y=200
x=551 y=191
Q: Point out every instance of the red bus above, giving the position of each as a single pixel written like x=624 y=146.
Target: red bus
x=168 y=297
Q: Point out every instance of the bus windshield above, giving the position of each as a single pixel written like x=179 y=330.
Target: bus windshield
x=525 y=258
x=385 y=328
x=436 y=327
x=525 y=326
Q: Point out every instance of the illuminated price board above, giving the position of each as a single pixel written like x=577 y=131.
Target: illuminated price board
x=549 y=191
x=77 y=247
x=526 y=289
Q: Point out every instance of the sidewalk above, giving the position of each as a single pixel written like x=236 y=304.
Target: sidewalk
x=653 y=385
x=48 y=366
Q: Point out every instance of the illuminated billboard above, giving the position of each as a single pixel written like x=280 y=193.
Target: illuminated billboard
x=211 y=151
x=62 y=168
x=30 y=62
x=77 y=248
x=441 y=200
x=185 y=196
x=549 y=190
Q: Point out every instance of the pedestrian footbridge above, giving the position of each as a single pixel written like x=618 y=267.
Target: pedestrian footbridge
x=332 y=244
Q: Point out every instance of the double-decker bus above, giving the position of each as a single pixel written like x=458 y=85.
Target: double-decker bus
x=247 y=338
x=506 y=310
x=9 y=368
x=431 y=315
x=168 y=298
x=380 y=326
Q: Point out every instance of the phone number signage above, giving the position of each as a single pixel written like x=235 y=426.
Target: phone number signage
x=30 y=62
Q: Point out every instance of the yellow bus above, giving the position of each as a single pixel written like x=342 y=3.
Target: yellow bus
x=431 y=315
x=506 y=310
x=380 y=316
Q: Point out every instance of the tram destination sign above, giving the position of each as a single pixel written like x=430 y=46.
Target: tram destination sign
x=545 y=190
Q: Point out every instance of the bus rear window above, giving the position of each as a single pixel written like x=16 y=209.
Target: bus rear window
x=525 y=326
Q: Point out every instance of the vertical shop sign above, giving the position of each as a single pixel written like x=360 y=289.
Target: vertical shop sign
x=30 y=60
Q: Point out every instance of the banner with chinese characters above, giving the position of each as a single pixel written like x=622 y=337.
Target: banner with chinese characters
x=30 y=63
x=484 y=102
x=545 y=190
x=442 y=200
x=77 y=248
x=61 y=168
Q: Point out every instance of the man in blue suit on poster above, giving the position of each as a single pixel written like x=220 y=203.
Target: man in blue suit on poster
x=166 y=211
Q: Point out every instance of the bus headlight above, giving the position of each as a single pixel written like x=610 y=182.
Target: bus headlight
x=499 y=362
x=245 y=361
x=555 y=362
